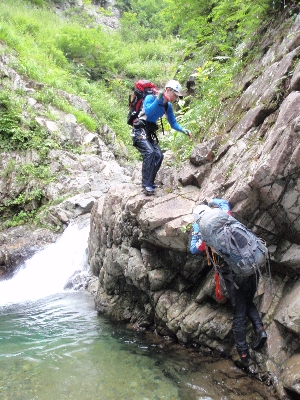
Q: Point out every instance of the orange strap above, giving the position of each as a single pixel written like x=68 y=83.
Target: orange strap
x=218 y=289
x=207 y=255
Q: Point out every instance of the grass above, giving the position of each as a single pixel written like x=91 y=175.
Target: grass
x=90 y=63
x=100 y=67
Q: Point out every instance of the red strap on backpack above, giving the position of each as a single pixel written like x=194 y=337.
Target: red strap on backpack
x=218 y=289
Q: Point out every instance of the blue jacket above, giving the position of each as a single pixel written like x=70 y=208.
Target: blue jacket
x=197 y=244
x=155 y=109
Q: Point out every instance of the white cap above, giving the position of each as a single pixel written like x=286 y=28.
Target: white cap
x=175 y=85
x=199 y=211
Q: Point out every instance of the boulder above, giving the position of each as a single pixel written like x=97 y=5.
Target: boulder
x=290 y=375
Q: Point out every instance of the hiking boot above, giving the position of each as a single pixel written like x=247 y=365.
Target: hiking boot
x=245 y=357
x=148 y=190
x=260 y=339
x=155 y=186
x=245 y=360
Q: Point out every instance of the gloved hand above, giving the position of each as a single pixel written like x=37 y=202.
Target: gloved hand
x=187 y=132
x=223 y=204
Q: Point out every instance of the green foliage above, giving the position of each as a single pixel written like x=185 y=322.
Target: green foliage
x=29 y=200
x=21 y=218
x=214 y=88
x=26 y=172
x=23 y=208
x=220 y=24
x=37 y=2
x=157 y=40
x=86 y=48
x=179 y=143
x=9 y=123
x=212 y=35
x=186 y=228
x=142 y=20
x=86 y=120
x=24 y=198
x=88 y=62
x=16 y=132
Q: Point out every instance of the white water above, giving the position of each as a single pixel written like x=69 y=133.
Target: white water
x=47 y=272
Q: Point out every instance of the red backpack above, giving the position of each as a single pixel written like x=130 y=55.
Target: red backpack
x=141 y=89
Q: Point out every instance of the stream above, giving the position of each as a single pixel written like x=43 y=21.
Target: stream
x=54 y=345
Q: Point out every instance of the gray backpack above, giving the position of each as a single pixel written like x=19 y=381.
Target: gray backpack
x=244 y=252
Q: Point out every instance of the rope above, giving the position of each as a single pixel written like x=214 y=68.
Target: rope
x=211 y=260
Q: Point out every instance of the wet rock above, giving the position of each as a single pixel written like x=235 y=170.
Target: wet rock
x=290 y=376
x=288 y=311
x=17 y=244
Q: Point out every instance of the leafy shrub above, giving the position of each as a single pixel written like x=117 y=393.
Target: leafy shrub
x=9 y=123
x=17 y=132
x=39 y=172
x=88 y=48
x=20 y=218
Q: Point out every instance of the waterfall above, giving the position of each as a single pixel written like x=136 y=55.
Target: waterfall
x=48 y=271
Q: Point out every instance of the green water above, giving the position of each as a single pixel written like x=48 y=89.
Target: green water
x=58 y=348
x=54 y=346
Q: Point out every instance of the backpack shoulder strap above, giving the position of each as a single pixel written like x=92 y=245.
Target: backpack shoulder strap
x=165 y=106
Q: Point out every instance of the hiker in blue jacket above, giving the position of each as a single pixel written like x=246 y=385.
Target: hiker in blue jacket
x=240 y=289
x=145 y=139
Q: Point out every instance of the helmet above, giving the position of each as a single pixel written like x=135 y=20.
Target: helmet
x=199 y=211
x=175 y=85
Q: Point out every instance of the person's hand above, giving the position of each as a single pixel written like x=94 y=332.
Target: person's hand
x=166 y=96
x=222 y=203
x=187 y=132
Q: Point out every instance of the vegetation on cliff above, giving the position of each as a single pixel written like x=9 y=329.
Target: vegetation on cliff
x=61 y=47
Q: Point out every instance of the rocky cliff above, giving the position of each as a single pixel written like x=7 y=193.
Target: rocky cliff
x=77 y=180
x=138 y=245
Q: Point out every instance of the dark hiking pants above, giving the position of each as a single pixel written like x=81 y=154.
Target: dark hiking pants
x=152 y=157
x=241 y=299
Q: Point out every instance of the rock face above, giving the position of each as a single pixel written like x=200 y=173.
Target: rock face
x=72 y=183
x=139 y=248
x=101 y=12
x=20 y=243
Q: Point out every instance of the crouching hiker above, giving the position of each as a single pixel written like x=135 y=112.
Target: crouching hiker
x=241 y=255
